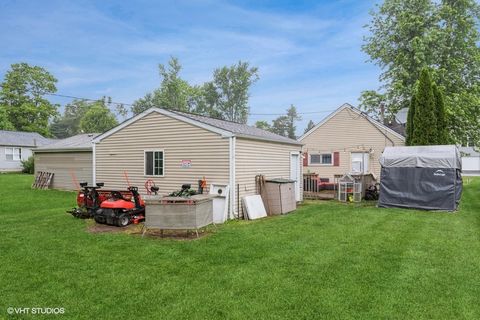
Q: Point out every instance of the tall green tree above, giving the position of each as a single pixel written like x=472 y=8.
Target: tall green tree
x=400 y=42
x=98 y=119
x=280 y=126
x=408 y=35
x=458 y=73
x=284 y=125
x=442 y=131
x=5 y=123
x=228 y=92
x=425 y=122
x=310 y=126
x=22 y=96
x=293 y=117
x=410 y=116
x=262 y=124
x=174 y=92
x=68 y=124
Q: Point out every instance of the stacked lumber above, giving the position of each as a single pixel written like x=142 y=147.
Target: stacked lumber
x=42 y=180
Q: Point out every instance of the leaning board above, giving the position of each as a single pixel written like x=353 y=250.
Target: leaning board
x=254 y=207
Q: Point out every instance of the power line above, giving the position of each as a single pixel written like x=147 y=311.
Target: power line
x=130 y=104
x=85 y=99
x=281 y=114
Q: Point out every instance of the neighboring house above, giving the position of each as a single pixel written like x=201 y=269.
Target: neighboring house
x=347 y=141
x=70 y=160
x=470 y=161
x=16 y=146
x=173 y=148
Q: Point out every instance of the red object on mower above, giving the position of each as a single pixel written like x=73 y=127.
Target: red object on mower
x=117 y=204
x=103 y=195
x=119 y=208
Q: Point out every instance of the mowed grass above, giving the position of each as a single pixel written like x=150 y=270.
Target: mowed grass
x=327 y=260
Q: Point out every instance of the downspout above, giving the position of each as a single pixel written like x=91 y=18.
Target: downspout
x=232 y=177
x=94 y=171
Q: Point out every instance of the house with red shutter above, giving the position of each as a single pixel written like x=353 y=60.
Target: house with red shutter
x=346 y=141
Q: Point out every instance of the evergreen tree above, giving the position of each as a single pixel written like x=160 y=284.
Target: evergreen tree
x=281 y=125
x=410 y=116
x=309 y=127
x=407 y=35
x=425 y=123
x=292 y=117
x=442 y=131
x=262 y=124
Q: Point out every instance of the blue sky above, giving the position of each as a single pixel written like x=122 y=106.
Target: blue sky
x=308 y=52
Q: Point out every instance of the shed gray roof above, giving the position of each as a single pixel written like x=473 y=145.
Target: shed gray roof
x=23 y=139
x=238 y=129
x=445 y=156
x=223 y=127
x=80 y=142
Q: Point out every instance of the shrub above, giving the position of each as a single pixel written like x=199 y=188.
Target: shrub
x=28 y=166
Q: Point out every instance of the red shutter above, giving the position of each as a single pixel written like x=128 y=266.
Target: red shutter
x=305 y=159
x=336 y=159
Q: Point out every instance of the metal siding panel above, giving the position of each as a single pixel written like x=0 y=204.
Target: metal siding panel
x=62 y=165
x=124 y=151
x=347 y=132
x=257 y=157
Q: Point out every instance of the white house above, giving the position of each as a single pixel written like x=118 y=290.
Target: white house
x=470 y=161
x=16 y=146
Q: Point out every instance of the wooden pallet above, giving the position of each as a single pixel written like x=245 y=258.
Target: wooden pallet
x=42 y=180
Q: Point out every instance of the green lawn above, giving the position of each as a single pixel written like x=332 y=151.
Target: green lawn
x=327 y=260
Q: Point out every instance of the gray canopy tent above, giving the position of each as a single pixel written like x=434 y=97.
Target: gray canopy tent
x=422 y=177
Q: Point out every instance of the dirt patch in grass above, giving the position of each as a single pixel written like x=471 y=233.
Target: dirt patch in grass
x=137 y=229
x=103 y=228
x=176 y=234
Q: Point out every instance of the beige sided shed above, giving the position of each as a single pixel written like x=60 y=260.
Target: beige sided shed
x=172 y=148
x=70 y=160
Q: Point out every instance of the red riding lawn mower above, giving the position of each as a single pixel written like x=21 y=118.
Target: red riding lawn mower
x=111 y=207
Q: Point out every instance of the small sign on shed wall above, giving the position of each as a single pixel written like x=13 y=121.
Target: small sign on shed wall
x=186 y=163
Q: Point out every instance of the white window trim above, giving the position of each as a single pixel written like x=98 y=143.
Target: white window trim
x=13 y=153
x=144 y=162
x=320 y=164
x=351 y=162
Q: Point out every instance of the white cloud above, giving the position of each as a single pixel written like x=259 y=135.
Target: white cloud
x=309 y=58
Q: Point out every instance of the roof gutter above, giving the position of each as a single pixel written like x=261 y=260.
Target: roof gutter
x=63 y=150
x=245 y=136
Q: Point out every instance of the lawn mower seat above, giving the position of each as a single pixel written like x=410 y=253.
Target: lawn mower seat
x=117 y=195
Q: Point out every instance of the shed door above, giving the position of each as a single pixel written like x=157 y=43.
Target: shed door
x=295 y=172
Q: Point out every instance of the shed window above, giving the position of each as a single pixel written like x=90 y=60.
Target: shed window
x=321 y=158
x=14 y=154
x=154 y=163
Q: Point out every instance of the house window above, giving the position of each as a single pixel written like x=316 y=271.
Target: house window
x=14 y=154
x=154 y=163
x=321 y=158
